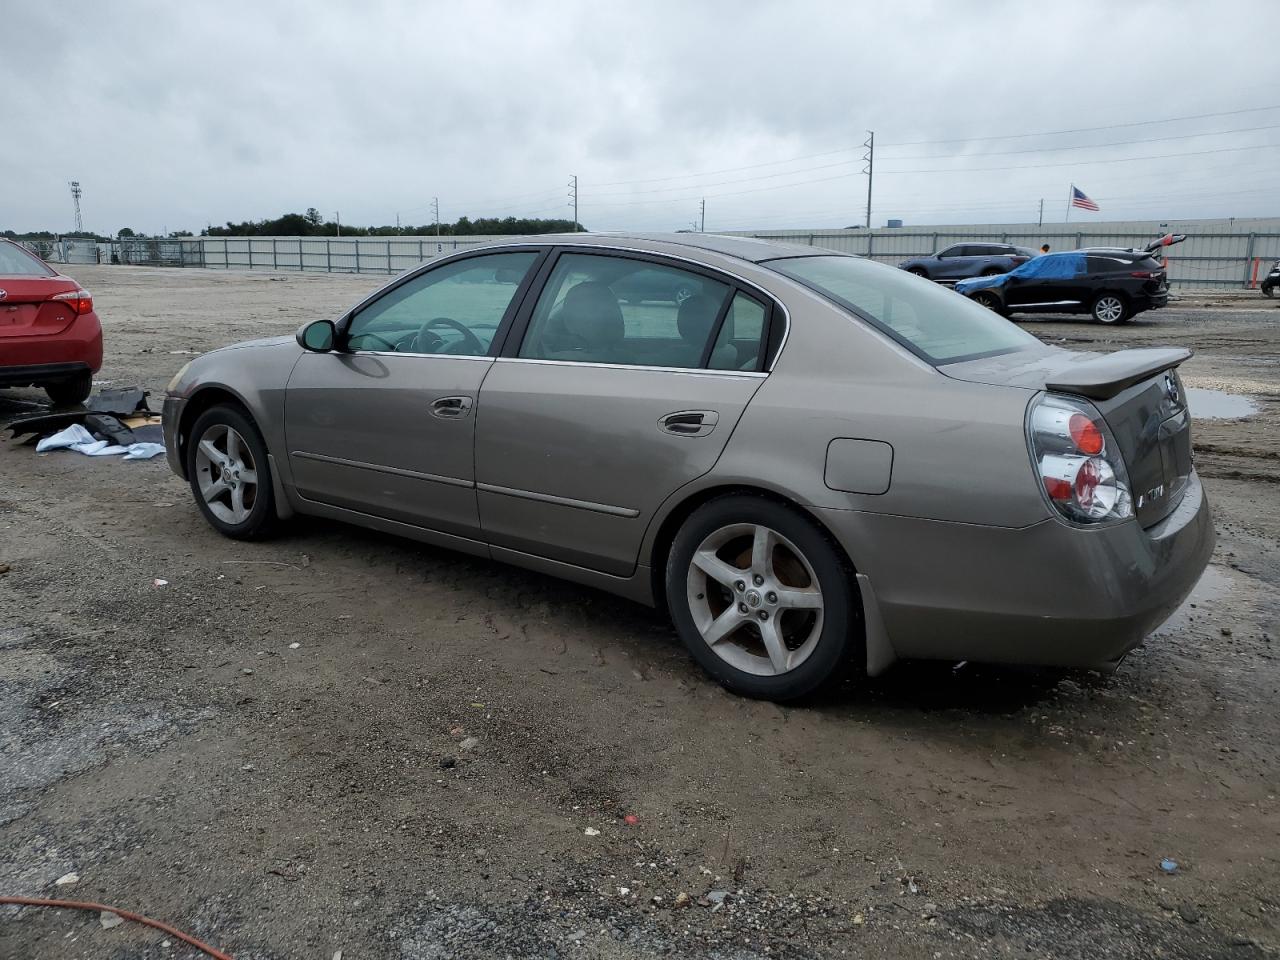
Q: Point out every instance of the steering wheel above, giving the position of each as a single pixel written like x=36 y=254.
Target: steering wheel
x=469 y=339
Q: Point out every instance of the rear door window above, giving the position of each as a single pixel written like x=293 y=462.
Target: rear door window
x=740 y=344
x=608 y=309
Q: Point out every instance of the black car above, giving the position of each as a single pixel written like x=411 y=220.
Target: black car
x=1271 y=283
x=1111 y=284
x=963 y=260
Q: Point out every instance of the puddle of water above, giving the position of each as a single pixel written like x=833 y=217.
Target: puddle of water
x=1218 y=405
x=1213 y=585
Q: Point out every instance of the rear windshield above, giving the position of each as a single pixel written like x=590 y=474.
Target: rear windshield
x=16 y=262
x=929 y=320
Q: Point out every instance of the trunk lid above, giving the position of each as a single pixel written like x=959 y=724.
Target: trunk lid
x=27 y=311
x=1139 y=394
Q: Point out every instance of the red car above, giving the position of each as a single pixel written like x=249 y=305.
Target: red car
x=49 y=335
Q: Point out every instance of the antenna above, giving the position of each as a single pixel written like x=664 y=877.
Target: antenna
x=75 y=199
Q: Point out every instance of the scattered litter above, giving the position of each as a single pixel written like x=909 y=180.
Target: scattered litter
x=76 y=437
x=624 y=891
x=930 y=911
x=681 y=901
x=470 y=743
x=478 y=706
x=124 y=401
x=591 y=832
x=631 y=819
x=717 y=896
x=247 y=671
x=67 y=879
x=859 y=919
x=1169 y=866
x=248 y=768
x=337 y=955
x=294 y=646
x=109 y=919
x=159 y=583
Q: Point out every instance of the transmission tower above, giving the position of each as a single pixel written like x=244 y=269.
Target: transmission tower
x=870 y=159
x=75 y=199
x=573 y=199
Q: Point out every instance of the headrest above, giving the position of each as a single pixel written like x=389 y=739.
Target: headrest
x=590 y=311
x=696 y=317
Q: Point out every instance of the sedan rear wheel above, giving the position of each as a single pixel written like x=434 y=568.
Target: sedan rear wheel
x=229 y=473
x=65 y=393
x=761 y=597
x=989 y=300
x=1110 y=308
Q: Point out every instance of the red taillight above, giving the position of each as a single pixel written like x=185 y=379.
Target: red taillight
x=1085 y=434
x=1142 y=274
x=1057 y=489
x=77 y=300
x=1020 y=260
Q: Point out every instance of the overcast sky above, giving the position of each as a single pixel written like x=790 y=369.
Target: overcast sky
x=178 y=115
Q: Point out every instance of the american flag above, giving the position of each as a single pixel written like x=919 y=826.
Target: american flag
x=1078 y=199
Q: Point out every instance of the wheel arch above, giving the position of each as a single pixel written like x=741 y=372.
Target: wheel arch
x=204 y=398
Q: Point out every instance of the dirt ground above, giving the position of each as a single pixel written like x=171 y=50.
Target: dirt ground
x=342 y=741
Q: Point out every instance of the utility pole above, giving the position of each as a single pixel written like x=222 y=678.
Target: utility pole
x=703 y=215
x=397 y=224
x=435 y=213
x=870 y=159
x=75 y=199
x=1040 y=222
x=337 y=220
x=573 y=197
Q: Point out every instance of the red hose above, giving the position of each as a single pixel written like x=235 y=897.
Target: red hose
x=128 y=915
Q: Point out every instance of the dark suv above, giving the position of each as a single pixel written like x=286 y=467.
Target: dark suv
x=1271 y=283
x=1110 y=284
x=963 y=260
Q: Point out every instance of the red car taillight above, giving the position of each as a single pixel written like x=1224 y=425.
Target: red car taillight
x=1143 y=274
x=1077 y=460
x=78 y=300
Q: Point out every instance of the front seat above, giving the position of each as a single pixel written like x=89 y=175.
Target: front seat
x=588 y=326
x=695 y=320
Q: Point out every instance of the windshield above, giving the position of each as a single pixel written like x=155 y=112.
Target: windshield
x=931 y=321
x=16 y=262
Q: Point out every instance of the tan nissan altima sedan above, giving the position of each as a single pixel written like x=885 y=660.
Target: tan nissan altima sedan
x=809 y=459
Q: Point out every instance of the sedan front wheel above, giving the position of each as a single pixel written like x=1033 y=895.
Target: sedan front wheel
x=761 y=597
x=230 y=475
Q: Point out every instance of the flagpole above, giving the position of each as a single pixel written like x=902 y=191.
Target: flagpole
x=1070 y=191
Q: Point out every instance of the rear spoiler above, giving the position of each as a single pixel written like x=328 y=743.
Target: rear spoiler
x=1101 y=378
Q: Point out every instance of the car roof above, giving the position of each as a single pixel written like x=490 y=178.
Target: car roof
x=742 y=248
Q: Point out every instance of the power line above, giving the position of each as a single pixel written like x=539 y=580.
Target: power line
x=1085 y=163
x=1086 y=146
x=1113 y=126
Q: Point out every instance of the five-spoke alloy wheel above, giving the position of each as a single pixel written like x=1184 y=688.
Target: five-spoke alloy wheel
x=229 y=473
x=761 y=597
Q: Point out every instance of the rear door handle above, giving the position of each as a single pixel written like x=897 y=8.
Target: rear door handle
x=451 y=408
x=689 y=423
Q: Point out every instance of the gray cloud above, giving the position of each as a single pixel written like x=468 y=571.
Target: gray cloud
x=178 y=115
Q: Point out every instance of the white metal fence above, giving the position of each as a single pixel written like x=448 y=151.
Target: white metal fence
x=1216 y=258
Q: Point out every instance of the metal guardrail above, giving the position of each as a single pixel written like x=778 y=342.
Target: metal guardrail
x=1205 y=260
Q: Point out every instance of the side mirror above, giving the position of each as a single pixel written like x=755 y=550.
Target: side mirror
x=318 y=337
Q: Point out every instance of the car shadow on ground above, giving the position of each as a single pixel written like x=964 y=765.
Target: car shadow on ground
x=646 y=634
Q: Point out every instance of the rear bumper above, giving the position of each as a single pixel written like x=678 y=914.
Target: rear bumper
x=38 y=374
x=79 y=344
x=171 y=416
x=1049 y=594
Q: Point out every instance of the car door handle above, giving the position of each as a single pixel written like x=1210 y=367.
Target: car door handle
x=689 y=423
x=451 y=408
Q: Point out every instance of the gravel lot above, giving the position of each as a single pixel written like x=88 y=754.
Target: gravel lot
x=338 y=740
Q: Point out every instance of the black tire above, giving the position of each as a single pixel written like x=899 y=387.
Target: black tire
x=989 y=300
x=991 y=272
x=1268 y=291
x=840 y=643
x=261 y=520
x=1103 y=308
x=918 y=271
x=65 y=393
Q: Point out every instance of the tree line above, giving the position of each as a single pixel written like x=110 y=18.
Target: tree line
x=313 y=224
